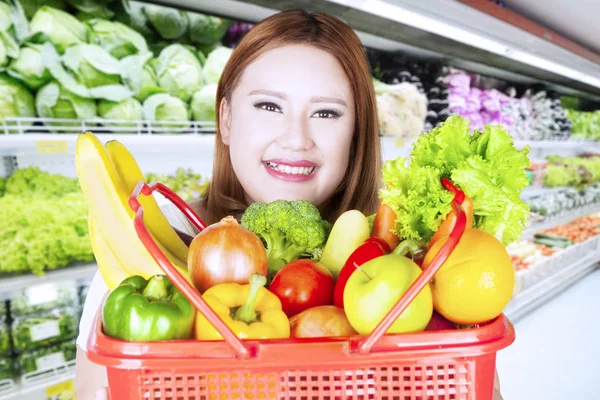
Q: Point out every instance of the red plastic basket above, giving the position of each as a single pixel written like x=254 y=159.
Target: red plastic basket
x=458 y=365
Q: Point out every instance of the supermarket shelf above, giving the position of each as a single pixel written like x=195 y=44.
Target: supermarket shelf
x=436 y=29
x=9 y=285
x=533 y=191
x=560 y=219
x=32 y=386
x=534 y=296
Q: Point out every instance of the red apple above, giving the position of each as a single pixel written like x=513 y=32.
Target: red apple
x=439 y=323
x=303 y=284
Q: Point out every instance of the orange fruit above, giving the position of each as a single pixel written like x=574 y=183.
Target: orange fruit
x=476 y=282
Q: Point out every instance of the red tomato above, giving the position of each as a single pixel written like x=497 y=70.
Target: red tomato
x=303 y=284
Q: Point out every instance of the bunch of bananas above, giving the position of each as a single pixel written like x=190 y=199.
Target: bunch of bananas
x=107 y=175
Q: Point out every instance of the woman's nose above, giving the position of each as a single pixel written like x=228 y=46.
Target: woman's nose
x=296 y=135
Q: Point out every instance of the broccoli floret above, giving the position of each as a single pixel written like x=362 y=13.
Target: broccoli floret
x=289 y=230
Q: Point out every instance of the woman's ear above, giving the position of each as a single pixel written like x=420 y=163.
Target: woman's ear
x=225 y=121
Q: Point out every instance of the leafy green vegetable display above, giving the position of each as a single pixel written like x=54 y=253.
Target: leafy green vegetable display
x=42 y=298
x=7 y=369
x=33 y=332
x=73 y=54
x=47 y=357
x=4 y=339
x=577 y=172
x=584 y=124
x=43 y=223
x=485 y=165
x=187 y=184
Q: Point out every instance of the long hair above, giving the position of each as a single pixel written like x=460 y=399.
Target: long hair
x=358 y=189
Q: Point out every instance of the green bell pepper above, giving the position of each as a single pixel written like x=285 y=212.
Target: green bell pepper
x=140 y=310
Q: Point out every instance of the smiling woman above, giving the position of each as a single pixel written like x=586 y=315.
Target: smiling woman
x=297 y=119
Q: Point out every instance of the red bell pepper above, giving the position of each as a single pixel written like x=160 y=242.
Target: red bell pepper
x=372 y=248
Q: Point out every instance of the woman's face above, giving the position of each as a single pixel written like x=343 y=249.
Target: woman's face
x=289 y=126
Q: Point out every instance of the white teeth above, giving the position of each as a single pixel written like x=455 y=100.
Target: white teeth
x=290 y=170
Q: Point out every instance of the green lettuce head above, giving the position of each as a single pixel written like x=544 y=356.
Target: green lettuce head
x=126 y=110
x=203 y=103
x=215 y=64
x=118 y=39
x=62 y=28
x=53 y=101
x=15 y=100
x=163 y=107
x=170 y=23
x=179 y=71
x=139 y=75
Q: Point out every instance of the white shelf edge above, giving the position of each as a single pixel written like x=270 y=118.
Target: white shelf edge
x=13 y=284
x=34 y=382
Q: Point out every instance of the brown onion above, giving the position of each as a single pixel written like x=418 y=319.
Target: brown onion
x=322 y=321
x=225 y=252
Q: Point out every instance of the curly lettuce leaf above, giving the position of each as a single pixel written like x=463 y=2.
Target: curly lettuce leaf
x=445 y=146
x=417 y=197
x=498 y=209
x=485 y=165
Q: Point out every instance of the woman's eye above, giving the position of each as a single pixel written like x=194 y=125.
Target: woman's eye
x=327 y=114
x=272 y=107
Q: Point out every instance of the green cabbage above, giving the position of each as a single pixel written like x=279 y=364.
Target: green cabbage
x=133 y=16
x=31 y=6
x=126 y=110
x=92 y=66
x=15 y=99
x=9 y=47
x=170 y=23
x=179 y=71
x=485 y=165
x=164 y=107
x=62 y=28
x=53 y=101
x=139 y=76
x=118 y=39
x=215 y=64
x=203 y=103
x=207 y=30
x=98 y=8
x=29 y=67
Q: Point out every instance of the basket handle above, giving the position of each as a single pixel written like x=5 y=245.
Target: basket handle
x=241 y=351
x=365 y=345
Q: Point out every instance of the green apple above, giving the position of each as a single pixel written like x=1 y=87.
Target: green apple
x=349 y=231
x=371 y=293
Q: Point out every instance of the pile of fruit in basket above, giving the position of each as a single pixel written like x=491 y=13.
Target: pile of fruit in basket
x=283 y=271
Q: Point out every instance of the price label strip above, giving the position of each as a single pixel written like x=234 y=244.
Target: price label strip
x=62 y=391
x=52 y=147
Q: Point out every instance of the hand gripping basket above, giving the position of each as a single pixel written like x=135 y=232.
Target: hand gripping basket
x=442 y=365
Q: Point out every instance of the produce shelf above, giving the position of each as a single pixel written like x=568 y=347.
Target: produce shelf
x=534 y=296
x=34 y=385
x=435 y=29
x=9 y=285
x=560 y=219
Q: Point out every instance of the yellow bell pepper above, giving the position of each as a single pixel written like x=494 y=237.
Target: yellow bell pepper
x=251 y=311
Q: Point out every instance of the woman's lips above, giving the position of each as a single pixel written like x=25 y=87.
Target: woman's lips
x=291 y=171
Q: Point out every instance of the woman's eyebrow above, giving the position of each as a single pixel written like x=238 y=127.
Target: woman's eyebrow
x=322 y=99
x=268 y=93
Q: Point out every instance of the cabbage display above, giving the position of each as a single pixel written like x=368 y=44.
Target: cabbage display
x=207 y=30
x=29 y=66
x=126 y=110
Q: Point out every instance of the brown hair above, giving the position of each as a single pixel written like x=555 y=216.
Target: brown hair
x=358 y=189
